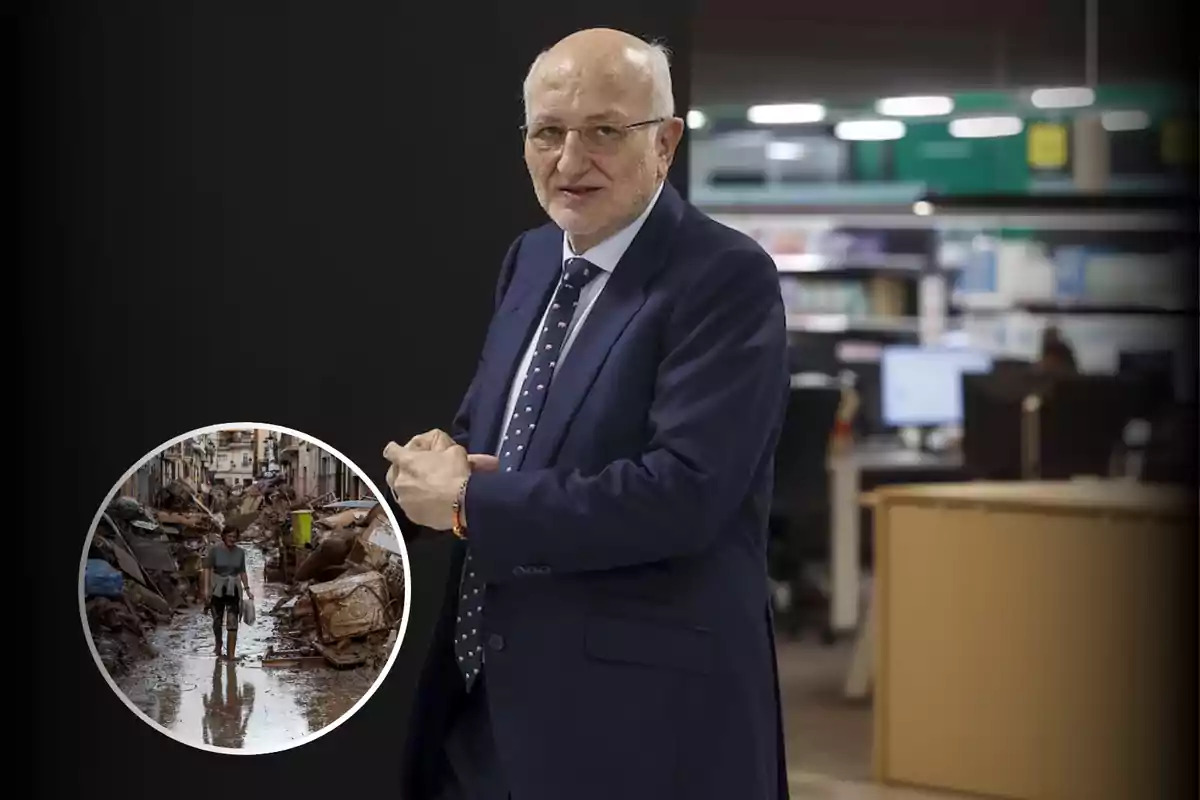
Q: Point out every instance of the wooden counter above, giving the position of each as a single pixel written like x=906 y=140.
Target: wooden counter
x=1026 y=642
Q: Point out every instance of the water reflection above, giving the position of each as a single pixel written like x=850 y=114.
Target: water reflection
x=227 y=708
x=237 y=705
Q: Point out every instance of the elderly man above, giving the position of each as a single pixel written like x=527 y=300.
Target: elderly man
x=608 y=475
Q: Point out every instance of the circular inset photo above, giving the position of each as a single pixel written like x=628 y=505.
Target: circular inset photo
x=244 y=588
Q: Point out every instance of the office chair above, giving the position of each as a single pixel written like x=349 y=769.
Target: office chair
x=800 y=513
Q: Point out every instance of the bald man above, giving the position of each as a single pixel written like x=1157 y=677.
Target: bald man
x=607 y=478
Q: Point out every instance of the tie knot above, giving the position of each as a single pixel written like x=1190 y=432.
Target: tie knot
x=577 y=272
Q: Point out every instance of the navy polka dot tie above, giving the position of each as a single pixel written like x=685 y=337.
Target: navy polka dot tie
x=520 y=426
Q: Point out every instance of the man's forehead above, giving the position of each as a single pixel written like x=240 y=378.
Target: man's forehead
x=594 y=91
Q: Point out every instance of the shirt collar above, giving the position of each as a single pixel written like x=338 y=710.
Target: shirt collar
x=606 y=254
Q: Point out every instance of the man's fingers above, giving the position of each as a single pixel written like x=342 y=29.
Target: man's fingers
x=392 y=475
x=402 y=461
x=422 y=441
x=481 y=462
x=434 y=440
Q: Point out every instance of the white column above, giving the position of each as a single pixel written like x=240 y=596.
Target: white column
x=1090 y=159
x=845 y=543
x=931 y=307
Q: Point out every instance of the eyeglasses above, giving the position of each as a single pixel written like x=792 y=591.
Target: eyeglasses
x=602 y=137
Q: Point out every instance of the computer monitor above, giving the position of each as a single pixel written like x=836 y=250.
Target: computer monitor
x=867 y=421
x=1083 y=417
x=809 y=353
x=804 y=440
x=1013 y=366
x=1155 y=366
x=922 y=386
x=991 y=431
x=1080 y=420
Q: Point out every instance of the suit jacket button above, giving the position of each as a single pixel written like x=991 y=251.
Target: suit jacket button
x=519 y=571
x=496 y=641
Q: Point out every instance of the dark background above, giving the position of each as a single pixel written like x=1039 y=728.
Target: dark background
x=288 y=212
x=749 y=51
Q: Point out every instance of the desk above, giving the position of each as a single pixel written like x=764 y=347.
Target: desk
x=845 y=546
x=1026 y=640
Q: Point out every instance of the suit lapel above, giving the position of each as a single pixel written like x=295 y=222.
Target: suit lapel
x=539 y=263
x=621 y=298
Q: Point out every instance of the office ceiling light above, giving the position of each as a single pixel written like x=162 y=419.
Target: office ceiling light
x=869 y=130
x=1113 y=121
x=696 y=119
x=985 y=127
x=916 y=106
x=786 y=114
x=785 y=151
x=1063 y=97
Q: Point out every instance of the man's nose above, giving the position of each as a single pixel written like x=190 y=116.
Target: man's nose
x=573 y=159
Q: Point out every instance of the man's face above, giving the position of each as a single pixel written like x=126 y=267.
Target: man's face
x=593 y=182
x=230 y=539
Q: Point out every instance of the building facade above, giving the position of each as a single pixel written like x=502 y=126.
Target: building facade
x=315 y=473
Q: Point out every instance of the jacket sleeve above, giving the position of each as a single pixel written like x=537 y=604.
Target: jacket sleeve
x=720 y=395
x=460 y=427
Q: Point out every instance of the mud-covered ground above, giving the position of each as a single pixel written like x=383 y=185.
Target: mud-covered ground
x=237 y=704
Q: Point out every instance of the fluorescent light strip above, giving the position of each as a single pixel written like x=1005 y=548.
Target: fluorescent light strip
x=786 y=114
x=696 y=119
x=869 y=130
x=915 y=106
x=985 y=127
x=1063 y=97
x=1113 y=121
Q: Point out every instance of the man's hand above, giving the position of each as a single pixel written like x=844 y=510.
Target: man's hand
x=426 y=482
x=430 y=441
x=483 y=463
x=435 y=440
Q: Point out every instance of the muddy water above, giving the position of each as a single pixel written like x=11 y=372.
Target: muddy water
x=237 y=705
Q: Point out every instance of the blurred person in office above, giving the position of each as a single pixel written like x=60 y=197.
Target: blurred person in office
x=608 y=476
x=1058 y=357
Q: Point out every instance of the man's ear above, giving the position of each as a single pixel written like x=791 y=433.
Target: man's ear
x=669 y=135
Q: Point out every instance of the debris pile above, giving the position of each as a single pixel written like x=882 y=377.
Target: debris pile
x=143 y=565
x=257 y=511
x=345 y=594
x=338 y=566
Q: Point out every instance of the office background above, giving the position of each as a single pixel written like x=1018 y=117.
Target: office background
x=947 y=190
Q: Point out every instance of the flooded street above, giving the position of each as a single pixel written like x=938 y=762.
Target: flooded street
x=242 y=704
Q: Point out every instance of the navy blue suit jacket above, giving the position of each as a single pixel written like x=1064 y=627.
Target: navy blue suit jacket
x=627 y=623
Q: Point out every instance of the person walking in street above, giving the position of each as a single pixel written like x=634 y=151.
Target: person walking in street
x=223 y=580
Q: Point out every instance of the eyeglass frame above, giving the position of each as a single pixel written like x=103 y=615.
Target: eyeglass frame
x=624 y=129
